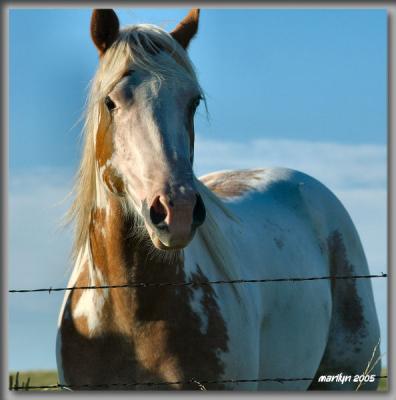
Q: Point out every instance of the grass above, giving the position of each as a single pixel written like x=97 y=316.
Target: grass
x=48 y=378
x=383 y=383
x=34 y=378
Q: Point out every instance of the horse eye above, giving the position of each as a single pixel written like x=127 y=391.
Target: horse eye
x=129 y=72
x=195 y=103
x=109 y=103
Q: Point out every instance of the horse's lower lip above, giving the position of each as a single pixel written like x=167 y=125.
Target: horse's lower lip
x=158 y=244
x=176 y=245
x=164 y=241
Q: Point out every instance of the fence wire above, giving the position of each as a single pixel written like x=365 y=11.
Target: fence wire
x=199 y=383
x=195 y=283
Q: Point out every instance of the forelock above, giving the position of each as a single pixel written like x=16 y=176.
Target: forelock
x=138 y=46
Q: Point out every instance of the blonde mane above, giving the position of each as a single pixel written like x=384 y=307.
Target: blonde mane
x=135 y=47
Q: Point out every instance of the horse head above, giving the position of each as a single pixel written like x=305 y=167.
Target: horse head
x=146 y=94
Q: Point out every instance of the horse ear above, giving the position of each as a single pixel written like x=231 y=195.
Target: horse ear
x=187 y=28
x=104 y=29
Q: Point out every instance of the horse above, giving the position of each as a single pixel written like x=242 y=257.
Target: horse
x=147 y=225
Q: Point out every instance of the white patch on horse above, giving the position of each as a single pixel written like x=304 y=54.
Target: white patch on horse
x=91 y=302
x=198 y=308
x=132 y=151
x=82 y=259
x=61 y=375
x=90 y=306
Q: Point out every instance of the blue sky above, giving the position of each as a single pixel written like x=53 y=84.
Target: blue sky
x=304 y=89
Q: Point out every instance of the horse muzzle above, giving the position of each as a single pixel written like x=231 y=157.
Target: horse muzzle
x=171 y=221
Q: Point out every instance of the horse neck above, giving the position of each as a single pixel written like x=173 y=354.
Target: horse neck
x=164 y=333
x=120 y=252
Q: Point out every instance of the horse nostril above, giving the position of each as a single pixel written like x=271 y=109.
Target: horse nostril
x=199 y=212
x=157 y=212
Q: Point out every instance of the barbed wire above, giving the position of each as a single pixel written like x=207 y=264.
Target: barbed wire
x=199 y=383
x=195 y=283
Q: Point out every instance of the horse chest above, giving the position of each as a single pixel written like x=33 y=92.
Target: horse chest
x=160 y=337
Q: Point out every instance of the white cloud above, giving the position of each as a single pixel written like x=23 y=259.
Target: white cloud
x=337 y=165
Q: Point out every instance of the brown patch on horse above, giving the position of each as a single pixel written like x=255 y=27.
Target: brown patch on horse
x=187 y=28
x=104 y=139
x=147 y=333
x=345 y=297
x=104 y=151
x=97 y=236
x=232 y=183
x=104 y=360
x=215 y=321
x=82 y=351
x=104 y=29
x=113 y=181
x=164 y=316
x=348 y=325
x=279 y=243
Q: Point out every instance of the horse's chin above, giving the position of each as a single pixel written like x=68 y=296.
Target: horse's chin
x=161 y=246
x=171 y=245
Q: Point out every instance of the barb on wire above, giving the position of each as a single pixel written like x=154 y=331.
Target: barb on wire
x=199 y=383
x=195 y=283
